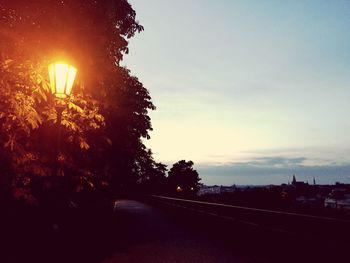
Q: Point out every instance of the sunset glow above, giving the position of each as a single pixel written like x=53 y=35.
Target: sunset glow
x=255 y=80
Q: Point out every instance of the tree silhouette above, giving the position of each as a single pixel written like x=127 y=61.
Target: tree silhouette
x=106 y=117
x=153 y=177
x=183 y=179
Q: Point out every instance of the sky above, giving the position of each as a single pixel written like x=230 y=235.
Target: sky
x=251 y=91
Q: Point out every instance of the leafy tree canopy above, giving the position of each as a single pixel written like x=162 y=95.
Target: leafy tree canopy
x=105 y=119
x=182 y=178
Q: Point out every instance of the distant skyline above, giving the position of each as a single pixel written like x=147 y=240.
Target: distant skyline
x=251 y=91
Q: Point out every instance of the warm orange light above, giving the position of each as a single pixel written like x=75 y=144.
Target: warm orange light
x=179 y=189
x=62 y=77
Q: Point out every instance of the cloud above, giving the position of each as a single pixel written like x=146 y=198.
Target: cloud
x=273 y=170
x=276 y=161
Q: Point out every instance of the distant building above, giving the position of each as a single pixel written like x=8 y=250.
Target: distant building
x=215 y=189
x=296 y=183
x=339 y=198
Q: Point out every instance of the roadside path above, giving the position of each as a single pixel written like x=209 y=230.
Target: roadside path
x=146 y=234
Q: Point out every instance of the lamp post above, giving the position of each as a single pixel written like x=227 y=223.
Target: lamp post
x=62 y=76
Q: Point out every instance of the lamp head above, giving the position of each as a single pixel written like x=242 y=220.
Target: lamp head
x=62 y=76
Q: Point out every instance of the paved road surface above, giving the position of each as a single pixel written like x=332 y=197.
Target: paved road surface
x=146 y=234
x=141 y=233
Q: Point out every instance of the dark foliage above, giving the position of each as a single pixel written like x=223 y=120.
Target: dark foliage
x=104 y=120
x=183 y=179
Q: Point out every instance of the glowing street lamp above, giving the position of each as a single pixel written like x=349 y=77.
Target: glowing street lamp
x=62 y=77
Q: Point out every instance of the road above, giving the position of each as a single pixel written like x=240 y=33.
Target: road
x=142 y=233
x=147 y=234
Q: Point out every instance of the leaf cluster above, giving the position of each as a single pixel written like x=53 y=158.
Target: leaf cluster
x=103 y=123
x=183 y=177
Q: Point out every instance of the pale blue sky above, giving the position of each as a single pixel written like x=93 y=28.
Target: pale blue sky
x=240 y=81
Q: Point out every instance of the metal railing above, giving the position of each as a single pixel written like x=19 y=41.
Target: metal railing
x=286 y=222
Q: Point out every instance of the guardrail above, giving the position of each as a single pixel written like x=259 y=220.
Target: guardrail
x=286 y=222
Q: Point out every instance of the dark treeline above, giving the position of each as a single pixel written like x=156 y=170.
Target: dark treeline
x=182 y=181
x=100 y=152
x=104 y=120
x=53 y=172
x=296 y=197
